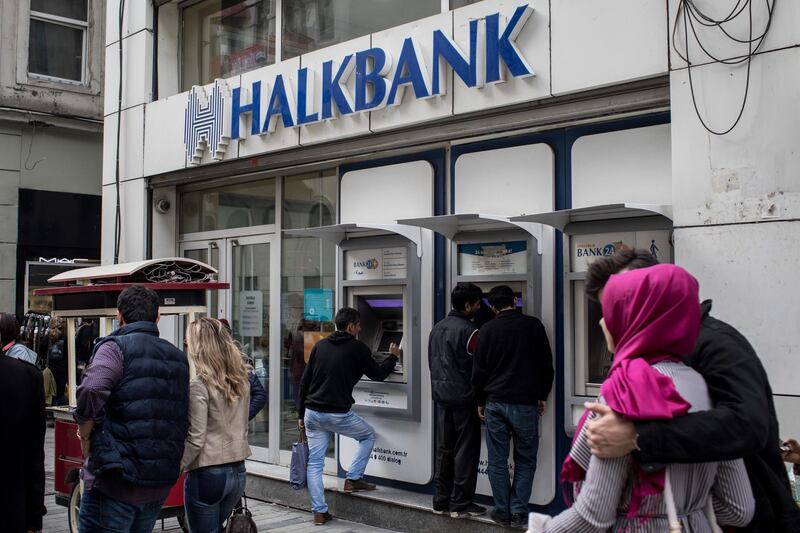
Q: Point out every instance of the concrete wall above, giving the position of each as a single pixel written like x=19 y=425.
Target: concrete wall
x=45 y=158
x=737 y=197
x=19 y=90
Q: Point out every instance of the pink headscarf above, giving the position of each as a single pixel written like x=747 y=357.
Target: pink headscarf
x=653 y=314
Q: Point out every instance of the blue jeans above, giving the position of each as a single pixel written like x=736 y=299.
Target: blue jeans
x=319 y=429
x=102 y=514
x=504 y=422
x=210 y=494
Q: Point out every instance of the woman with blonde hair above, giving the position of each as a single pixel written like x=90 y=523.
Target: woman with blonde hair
x=216 y=447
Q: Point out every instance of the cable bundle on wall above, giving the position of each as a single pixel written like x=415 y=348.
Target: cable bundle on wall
x=692 y=18
x=118 y=211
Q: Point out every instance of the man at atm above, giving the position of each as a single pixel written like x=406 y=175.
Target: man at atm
x=512 y=376
x=451 y=346
x=335 y=365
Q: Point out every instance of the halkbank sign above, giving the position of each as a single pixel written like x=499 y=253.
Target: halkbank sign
x=214 y=117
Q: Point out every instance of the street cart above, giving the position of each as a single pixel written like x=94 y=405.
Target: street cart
x=182 y=285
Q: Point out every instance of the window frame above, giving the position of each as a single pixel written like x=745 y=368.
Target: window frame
x=187 y=4
x=94 y=50
x=69 y=23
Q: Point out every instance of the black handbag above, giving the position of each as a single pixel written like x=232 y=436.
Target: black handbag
x=241 y=520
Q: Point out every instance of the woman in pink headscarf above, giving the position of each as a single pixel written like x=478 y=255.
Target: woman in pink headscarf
x=651 y=318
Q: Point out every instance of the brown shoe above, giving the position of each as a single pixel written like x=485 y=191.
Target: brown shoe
x=322 y=518
x=357 y=485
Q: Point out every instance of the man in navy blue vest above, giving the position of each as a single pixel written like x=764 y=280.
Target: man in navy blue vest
x=458 y=430
x=132 y=414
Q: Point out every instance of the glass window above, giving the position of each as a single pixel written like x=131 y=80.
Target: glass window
x=308 y=284
x=455 y=4
x=222 y=38
x=234 y=206
x=312 y=24
x=57 y=38
x=309 y=200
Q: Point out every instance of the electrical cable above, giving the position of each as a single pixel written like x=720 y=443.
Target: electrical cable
x=118 y=211
x=689 y=13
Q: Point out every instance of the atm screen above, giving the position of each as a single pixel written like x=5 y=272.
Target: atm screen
x=388 y=337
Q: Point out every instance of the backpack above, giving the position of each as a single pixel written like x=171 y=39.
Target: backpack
x=55 y=352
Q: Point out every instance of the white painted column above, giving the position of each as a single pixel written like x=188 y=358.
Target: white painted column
x=136 y=77
x=737 y=196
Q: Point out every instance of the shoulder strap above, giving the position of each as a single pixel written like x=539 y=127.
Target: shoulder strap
x=669 y=501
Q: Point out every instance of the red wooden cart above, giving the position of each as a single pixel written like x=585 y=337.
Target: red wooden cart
x=182 y=285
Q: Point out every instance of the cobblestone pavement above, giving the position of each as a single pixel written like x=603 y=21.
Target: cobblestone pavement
x=268 y=517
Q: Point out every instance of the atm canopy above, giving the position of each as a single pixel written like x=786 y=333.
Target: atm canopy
x=180 y=283
x=337 y=233
x=566 y=220
x=452 y=225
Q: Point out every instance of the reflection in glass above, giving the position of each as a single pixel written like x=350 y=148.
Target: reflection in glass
x=600 y=357
x=202 y=255
x=250 y=320
x=307 y=308
x=309 y=200
x=235 y=206
x=222 y=38
x=313 y=24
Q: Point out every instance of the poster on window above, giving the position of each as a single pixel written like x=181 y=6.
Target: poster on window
x=251 y=313
x=478 y=259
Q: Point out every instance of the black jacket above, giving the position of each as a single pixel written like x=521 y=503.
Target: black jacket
x=513 y=362
x=742 y=423
x=334 y=367
x=21 y=446
x=450 y=361
x=143 y=434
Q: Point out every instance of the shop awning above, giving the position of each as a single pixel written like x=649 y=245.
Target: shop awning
x=560 y=220
x=452 y=225
x=337 y=233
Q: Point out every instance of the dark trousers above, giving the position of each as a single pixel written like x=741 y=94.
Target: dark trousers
x=506 y=422
x=210 y=494
x=458 y=448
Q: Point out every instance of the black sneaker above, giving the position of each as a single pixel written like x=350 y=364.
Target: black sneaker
x=441 y=510
x=519 y=521
x=472 y=509
x=497 y=518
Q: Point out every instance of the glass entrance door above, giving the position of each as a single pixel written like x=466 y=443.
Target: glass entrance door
x=252 y=263
x=249 y=264
x=211 y=252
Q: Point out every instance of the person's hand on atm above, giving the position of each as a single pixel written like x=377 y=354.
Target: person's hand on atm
x=395 y=350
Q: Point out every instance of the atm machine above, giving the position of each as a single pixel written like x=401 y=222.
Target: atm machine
x=491 y=250
x=590 y=233
x=385 y=271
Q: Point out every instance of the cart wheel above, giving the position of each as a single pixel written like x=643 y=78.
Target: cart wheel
x=74 y=506
x=182 y=522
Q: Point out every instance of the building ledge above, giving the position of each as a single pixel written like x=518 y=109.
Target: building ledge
x=387 y=507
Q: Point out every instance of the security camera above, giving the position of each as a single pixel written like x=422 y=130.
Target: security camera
x=162 y=205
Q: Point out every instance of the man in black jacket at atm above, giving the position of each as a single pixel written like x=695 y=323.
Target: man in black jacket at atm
x=512 y=376
x=451 y=346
